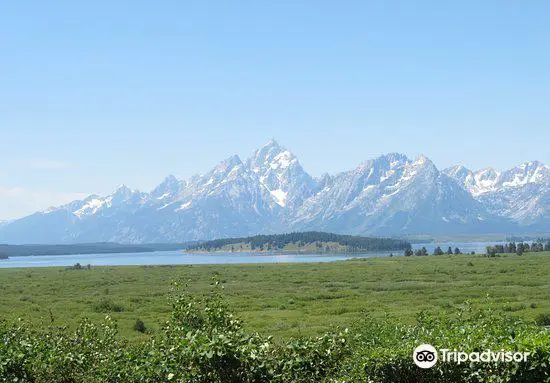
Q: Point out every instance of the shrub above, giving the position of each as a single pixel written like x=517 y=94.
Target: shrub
x=212 y=342
x=106 y=305
x=383 y=351
x=139 y=326
x=204 y=342
x=543 y=319
x=514 y=307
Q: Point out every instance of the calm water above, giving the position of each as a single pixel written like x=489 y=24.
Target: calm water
x=171 y=258
x=181 y=258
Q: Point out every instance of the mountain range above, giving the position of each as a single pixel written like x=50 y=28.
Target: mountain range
x=270 y=192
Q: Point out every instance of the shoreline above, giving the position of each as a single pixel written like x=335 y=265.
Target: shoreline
x=288 y=252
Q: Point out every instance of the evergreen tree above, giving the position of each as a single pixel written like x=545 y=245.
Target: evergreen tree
x=520 y=248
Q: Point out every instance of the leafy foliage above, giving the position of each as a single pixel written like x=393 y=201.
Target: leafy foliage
x=543 y=319
x=383 y=351
x=203 y=341
x=106 y=305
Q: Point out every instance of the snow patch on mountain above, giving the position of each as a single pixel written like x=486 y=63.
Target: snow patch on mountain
x=521 y=194
x=280 y=196
x=90 y=208
x=270 y=192
x=184 y=206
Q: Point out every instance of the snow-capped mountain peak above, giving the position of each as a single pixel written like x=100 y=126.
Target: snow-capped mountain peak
x=458 y=172
x=271 y=192
x=122 y=189
x=490 y=180
x=521 y=194
x=484 y=181
x=91 y=207
x=169 y=189
x=422 y=160
x=387 y=192
x=526 y=173
x=229 y=168
x=279 y=172
x=121 y=196
x=270 y=156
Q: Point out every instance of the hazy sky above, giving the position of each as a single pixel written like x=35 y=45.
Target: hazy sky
x=100 y=93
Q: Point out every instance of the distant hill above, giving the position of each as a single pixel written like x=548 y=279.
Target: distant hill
x=85 y=248
x=311 y=241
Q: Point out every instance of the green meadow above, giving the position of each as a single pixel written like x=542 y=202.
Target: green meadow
x=283 y=300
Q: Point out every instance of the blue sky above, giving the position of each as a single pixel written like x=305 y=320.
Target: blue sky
x=98 y=93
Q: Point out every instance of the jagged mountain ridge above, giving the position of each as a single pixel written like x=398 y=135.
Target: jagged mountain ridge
x=394 y=195
x=270 y=192
x=521 y=194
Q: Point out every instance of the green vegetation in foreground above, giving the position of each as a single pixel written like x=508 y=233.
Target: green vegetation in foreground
x=86 y=248
x=204 y=342
x=306 y=242
x=283 y=300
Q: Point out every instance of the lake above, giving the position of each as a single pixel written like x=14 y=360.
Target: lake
x=180 y=258
x=172 y=258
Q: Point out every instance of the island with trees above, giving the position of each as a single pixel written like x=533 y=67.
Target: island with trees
x=302 y=242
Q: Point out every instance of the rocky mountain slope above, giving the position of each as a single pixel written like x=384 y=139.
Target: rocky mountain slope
x=521 y=194
x=270 y=192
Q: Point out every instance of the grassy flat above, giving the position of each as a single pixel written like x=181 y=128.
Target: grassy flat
x=283 y=299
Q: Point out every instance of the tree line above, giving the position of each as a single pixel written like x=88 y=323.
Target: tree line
x=86 y=248
x=437 y=251
x=279 y=241
x=518 y=248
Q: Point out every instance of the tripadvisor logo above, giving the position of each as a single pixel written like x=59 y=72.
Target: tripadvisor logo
x=426 y=356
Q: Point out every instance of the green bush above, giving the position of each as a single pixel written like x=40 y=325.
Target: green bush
x=383 y=351
x=203 y=341
x=106 y=305
x=139 y=326
x=543 y=319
